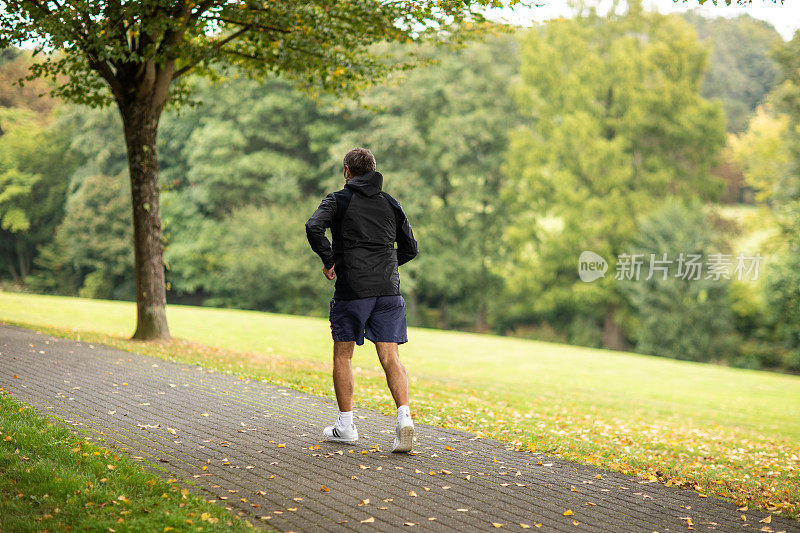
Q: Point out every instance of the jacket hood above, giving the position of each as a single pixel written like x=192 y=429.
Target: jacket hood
x=368 y=184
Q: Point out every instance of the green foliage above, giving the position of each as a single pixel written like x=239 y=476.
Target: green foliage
x=107 y=48
x=35 y=162
x=741 y=71
x=613 y=122
x=258 y=264
x=762 y=153
x=91 y=247
x=782 y=291
x=676 y=317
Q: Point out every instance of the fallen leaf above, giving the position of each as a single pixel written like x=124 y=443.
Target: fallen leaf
x=524 y=526
x=497 y=524
x=568 y=512
x=369 y=520
x=412 y=494
x=766 y=520
x=323 y=488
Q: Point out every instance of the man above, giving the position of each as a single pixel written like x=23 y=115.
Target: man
x=365 y=223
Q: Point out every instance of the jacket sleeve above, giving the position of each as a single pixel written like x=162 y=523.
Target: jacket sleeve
x=316 y=226
x=406 y=244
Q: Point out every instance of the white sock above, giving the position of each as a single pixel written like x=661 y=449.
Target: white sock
x=402 y=411
x=345 y=419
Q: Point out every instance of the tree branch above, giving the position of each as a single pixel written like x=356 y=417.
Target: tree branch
x=216 y=47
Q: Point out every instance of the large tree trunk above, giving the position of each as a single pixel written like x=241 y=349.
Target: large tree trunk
x=140 y=120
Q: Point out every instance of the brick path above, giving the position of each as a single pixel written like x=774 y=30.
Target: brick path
x=264 y=457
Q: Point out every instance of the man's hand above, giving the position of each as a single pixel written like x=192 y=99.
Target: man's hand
x=329 y=273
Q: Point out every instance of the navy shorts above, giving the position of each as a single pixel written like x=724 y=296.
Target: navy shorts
x=379 y=319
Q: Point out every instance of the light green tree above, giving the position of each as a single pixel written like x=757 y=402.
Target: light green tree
x=614 y=123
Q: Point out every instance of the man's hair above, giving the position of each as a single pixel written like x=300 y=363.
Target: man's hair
x=359 y=161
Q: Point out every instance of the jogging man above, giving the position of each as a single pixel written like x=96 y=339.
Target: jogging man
x=365 y=223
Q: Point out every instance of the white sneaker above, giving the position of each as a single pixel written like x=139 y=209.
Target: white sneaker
x=336 y=434
x=404 y=435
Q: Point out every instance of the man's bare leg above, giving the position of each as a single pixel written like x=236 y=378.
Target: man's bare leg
x=396 y=375
x=343 y=430
x=397 y=379
x=343 y=374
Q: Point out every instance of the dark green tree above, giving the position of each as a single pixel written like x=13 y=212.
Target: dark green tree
x=680 y=316
x=135 y=54
x=741 y=71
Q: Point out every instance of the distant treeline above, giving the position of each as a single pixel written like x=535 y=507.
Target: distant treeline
x=511 y=156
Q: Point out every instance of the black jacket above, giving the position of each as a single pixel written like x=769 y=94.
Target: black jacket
x=365 y=223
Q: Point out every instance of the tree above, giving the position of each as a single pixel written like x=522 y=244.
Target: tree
x=613 y=122
x=90 y=255
x=35 y=163
x=135 y=54
x=680 y=316
x=739 y=74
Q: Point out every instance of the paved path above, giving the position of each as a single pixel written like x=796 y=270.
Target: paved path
x=263 y=455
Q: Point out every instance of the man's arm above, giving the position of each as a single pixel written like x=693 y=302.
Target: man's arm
x=315 y=230
x=406 y=244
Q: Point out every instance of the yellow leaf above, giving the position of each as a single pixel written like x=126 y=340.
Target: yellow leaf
x=449 y=448
x=599 y=476
x=281 y=446
x=412 y=494
x=497 y=524
x=568 y=512
x=524 y=526
x=369 y=520
x=323 y=488
x=766 y=520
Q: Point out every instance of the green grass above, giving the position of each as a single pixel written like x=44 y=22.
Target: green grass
x=50 y=480
x=724 y=431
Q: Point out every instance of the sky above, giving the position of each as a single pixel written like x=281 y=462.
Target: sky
x=785 y=16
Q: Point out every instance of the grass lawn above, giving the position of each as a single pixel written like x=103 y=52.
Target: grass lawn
x=723 y=431
x=50 y=480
